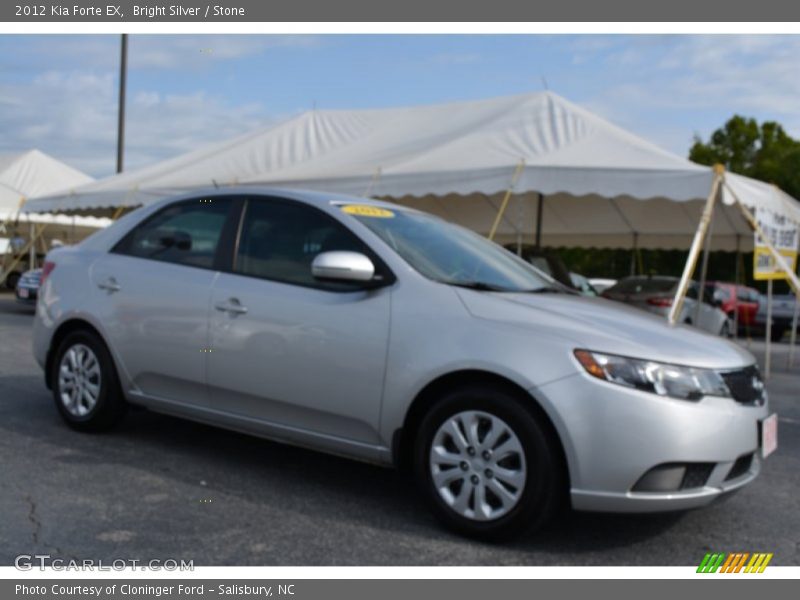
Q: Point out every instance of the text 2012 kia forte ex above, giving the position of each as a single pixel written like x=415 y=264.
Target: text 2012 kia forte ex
x=388 y=335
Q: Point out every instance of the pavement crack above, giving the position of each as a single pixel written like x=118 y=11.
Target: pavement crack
x=32 y=517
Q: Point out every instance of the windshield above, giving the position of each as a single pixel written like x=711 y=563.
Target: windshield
x=448 y=253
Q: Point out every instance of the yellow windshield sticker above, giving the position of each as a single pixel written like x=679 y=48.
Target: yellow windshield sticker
x=364 y=210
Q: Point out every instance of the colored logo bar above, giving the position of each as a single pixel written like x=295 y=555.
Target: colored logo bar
x=735 y=562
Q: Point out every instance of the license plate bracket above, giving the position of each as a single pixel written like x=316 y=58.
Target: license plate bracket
x=769 y=435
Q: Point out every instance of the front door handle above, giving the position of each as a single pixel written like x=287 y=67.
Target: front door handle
x=110 y=285
x=232 y=306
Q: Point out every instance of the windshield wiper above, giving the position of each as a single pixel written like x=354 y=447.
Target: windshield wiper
x=481 y=286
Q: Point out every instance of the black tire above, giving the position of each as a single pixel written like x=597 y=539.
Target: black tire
x=542 y=495
x=110 y=406
x=12 y=280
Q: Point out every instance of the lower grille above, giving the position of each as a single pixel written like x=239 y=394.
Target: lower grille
x=740 y=467
x=696 y=475
x=672 y=477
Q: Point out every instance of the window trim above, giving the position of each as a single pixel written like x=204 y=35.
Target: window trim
x=121 y=247
x=381 y=268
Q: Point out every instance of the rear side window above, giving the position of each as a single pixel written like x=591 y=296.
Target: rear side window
x=280 y=239
x=186 y=233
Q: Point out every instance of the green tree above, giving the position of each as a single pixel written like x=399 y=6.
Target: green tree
x=764 y=152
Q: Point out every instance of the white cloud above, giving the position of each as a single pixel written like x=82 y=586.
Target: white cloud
x=153 y=51
x=73 y=116
x=197 y=51
x=649 y=84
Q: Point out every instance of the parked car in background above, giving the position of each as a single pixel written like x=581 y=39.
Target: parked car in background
x=547 y=261
x=601 y=284
x=580 y=283
x=739 y=302
x=782 y=316
x=389 y=335
x=28 y=286
x=655 y=294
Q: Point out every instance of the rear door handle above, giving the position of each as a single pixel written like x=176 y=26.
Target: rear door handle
x=232 y=306
x=110 y=285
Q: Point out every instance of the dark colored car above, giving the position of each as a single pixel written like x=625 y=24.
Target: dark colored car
x=28 y=286
x=655 y=294
x=782 y=316
x=546 y=261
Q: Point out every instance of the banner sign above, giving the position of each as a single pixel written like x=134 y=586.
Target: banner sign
x=782 y=234
x=442 y=11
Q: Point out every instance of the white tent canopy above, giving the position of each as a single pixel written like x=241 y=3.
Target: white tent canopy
x=602 y=185
x=34 y=173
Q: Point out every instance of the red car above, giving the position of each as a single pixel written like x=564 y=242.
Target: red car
x=735 y=299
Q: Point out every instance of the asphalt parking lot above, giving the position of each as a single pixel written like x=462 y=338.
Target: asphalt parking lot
x=158 y=487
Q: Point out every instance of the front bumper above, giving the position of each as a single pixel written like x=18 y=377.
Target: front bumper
x=613 y=436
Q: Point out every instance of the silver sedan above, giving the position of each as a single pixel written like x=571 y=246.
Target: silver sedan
x=388 y=335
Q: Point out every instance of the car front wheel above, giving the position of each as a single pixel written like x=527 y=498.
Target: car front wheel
x=487 y=465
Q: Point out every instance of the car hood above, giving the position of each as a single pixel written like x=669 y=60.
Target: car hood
x=607 y=326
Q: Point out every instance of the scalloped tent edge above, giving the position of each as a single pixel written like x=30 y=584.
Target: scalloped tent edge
x=602 y=186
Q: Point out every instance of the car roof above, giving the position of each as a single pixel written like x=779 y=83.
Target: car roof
x=313 y=197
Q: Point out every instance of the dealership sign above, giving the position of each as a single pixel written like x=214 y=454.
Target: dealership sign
x=782 y=234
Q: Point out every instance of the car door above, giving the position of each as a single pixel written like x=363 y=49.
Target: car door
x=152 y=292
x=288 y=349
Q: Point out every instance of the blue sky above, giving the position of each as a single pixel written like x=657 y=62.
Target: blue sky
x=58 y=93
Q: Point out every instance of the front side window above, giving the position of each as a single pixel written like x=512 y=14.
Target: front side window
x=448 y=253
x=280 y=239
x=186 y=233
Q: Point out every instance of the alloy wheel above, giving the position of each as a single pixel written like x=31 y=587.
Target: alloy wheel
x=477 y=465
x=79 y=380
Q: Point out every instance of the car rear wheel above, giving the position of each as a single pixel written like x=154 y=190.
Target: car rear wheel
x=85 y=385
x=486 y=465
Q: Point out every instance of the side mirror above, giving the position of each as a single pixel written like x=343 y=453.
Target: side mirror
x=342 y=266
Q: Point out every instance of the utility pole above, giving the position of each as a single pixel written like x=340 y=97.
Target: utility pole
x=123 y=74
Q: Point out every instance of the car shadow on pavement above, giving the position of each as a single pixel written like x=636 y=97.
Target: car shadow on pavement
x=320 y=486
x=9 y=304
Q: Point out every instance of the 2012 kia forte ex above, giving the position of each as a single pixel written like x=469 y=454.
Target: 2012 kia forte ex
x=388 y=335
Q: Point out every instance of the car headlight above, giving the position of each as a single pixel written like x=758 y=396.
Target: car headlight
x=686 y=383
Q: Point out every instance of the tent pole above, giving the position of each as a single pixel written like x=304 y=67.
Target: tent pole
x=694 y=251
x=704 y=270
x=793 y=335
x=32 y=250
x=506 y=198
x=634 y=249
x=736 y=279
x=376 y=176
x=21 y=254
x=539 y=211
x=768 y=335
